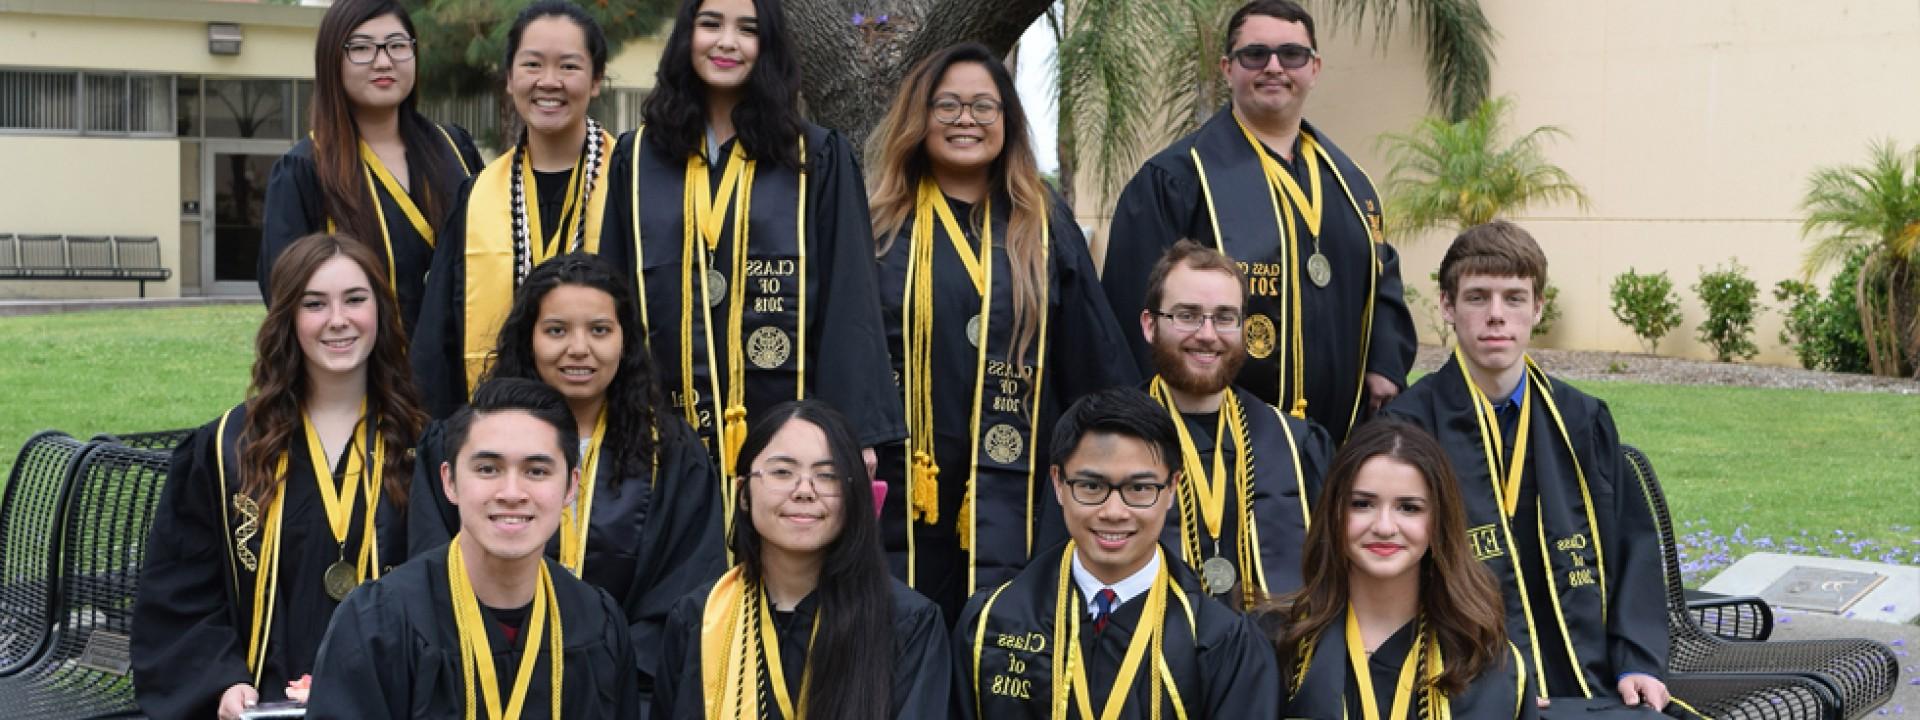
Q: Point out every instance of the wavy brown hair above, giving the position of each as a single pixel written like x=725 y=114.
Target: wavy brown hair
x=897 y=154
x=1458 y=595
x=277 y=396
x=336 y=137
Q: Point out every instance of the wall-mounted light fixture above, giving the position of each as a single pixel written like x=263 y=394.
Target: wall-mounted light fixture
x=223 y=38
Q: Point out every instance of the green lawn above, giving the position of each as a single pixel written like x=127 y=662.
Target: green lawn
x=1744 y=468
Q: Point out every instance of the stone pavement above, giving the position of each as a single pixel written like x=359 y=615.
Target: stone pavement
x=1904 y=639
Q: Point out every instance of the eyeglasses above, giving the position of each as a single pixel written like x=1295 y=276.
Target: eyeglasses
x=362 y=52
x=947 y=109
x=1225 y=322
x=1292 y=56
x=826 y=483
x=1133 y=495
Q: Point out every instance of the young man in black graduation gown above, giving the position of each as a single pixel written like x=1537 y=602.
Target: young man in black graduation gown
x=455 y=627
x=1551 y=508
x=1327 y=328
x=1249 y=471
x=1110 y=617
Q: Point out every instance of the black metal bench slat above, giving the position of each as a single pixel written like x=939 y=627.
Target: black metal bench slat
x=29 y=521
x=9 y=253
x=163 y=440
x=85 y=257
x=1859 y=675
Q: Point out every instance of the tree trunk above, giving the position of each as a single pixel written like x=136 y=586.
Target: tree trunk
x=849 y=72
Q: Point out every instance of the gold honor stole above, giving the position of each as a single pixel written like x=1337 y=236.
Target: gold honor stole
x=1286 y=200
x=1011 y=439
x=1506 y=493
x=737 y=637
x=489 y=248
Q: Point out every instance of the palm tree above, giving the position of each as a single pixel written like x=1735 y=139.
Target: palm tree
x=1874 y=206
x=1461 y=174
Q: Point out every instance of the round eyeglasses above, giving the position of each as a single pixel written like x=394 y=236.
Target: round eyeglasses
x=947 y=110
x=781 y=480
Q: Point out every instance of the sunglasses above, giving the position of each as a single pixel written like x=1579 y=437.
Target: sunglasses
x=1292 y=56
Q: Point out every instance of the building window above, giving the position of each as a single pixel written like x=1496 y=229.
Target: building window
x=96 y=103
x=40 y=100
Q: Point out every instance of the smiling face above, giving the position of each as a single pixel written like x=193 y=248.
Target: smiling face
x=384 y=82
x=577 y=342
x=794 y=493
x=509 y=481
x=1113 y=539
x=1493 y=317
x=338 y=319
x=1202 y=361
x=1272 y=89
x=552 y=77
x=971 y=143
x=726 y=41
x=1387 y=520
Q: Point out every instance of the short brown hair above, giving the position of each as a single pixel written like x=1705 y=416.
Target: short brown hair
x=1193 y=255
x=1499 y=249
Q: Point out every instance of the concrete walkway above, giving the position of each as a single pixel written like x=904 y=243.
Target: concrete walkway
x=1904 y=639
x=13 y=308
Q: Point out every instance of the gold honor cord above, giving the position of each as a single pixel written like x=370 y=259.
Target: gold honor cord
x=776 y=675
x=705 y=218
x=576 y=520
x=1493 y=441
x=546 y=249
x=1209 y=491
x=1362 y=673
x=476 y=652
x=1279 y=182
x=1067 y=654
x=923 y=473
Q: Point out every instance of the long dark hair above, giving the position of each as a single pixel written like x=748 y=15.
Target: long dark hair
x=280 y=384
x=853 y=650
x=596 y=38
x=634 y=393
x=767 y=120
x=1458 y=595
x=336 y=137
x=897 y=160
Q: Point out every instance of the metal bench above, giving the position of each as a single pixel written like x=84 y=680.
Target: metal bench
x=104 y=519
x=29 y=520
x=161 y=440
x=1727 y=679
x=82 y=257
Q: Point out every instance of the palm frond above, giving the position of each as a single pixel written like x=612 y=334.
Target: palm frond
x=1872 y=205
x=1457 y=38
x=1462 y=173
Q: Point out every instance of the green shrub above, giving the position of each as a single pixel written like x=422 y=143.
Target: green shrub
x=1549 y=313
x=1646 y=304
x=1732 y=301
x=1825 y=332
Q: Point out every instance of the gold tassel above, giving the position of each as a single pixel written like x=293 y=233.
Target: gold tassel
x=733 y=432
x=925 y=496
x=963 y=523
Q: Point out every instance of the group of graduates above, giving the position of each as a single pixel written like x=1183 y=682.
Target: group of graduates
x=709 y=420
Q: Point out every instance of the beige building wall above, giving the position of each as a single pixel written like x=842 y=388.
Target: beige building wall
x=1694 y=127
x=92 y=186
x=167 y=36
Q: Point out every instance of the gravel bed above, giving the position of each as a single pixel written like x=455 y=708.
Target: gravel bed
x=1639 y=367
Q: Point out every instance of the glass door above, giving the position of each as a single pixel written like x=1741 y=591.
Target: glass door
x=233 y=186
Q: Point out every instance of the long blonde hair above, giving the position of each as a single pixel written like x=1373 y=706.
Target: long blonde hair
x=897 y=156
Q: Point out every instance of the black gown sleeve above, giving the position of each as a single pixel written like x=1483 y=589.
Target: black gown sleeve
x=1316 y=453
x=1393 y=341
x=293 y=210
x=963 y=706
x=439 y=362
x=1153 y=212
x=360 y=673
x=677 y=693
x=922 y=661
x=1242 y=678
x=431 y=518
x=1086 y=337
x=469 y=151
x=1637 y=635
x=684 y=549
x=626 y=688
x=850 y=367
x=616 y=223
x=186 y=650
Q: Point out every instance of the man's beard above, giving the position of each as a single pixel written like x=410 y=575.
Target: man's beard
x=1170 y=360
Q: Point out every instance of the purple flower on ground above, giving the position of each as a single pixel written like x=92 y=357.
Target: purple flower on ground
x=1889 y=608
x=882 y=20
x=859 y=18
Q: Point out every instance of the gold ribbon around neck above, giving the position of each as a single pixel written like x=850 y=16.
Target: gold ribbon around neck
x=1363 y=672
x=1287 y=193
x=1067 y=656
x=1507 y=472
x=576 y=521
x=476 y=652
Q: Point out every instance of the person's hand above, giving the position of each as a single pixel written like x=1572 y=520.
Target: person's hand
x=1380 y=390
x=236 y=700
x=872 y=459
x=1643 y=689
x=1542 y=703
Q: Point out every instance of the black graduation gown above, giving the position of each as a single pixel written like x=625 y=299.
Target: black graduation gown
x=838 y=345
x=296 y=208
x=651 y=539
x=920 y=666
x=1165 y=202
x=437 y=346
x=1011 y=494
x=194 y=609
x=1330 y=691
x=393 y=651
x=1280 y=509
x=1611 y=592
x=1222 y=665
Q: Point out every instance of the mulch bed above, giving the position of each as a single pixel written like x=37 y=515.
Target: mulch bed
x=1643 y=368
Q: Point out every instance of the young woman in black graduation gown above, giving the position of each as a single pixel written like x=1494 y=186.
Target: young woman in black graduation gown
x=745 y=229
x=270 y=515
x=1396 y=619
x=653 y=528
x=545 y=197
x=809 y=624
x=971 y=240
x=373 y=167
